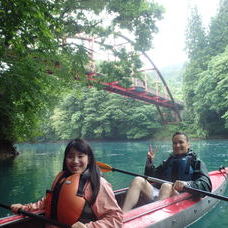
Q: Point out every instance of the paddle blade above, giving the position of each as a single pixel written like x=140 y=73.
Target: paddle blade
x=104 y=167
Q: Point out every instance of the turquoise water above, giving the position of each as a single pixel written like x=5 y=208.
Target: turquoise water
x=26 y=178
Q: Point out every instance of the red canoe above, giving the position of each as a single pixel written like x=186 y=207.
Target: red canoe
x=178 y=211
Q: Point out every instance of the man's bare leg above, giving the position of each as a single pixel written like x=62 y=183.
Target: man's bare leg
x=166 y=191
x=137 y=186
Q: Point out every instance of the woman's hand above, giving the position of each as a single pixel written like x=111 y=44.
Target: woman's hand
x=78 y=225
x=179 y=185
x=15 y=207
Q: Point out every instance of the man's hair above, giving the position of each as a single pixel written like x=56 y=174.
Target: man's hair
x=180 y=133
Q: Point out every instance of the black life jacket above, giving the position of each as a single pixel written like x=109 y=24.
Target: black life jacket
x=179 y=167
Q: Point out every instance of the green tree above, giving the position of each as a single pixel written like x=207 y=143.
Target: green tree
x=218 y=35
x=212 y=96
x=196 y=39
x=205 y=81
x=98 y=114
x=196 y=47
x=28 y=48
x=37 y=60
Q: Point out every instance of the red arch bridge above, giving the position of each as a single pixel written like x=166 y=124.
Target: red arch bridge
x=140 y=91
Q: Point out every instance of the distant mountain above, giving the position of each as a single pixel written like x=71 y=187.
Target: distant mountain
x=173 y=75
x=173 y=72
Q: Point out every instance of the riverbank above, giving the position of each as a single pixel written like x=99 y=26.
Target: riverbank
x=11 y=151
x=7 y=150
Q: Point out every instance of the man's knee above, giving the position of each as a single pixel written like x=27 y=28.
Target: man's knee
x=138 y=182
x=167 y=186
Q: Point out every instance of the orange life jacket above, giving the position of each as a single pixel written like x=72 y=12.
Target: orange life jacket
x=62 y=202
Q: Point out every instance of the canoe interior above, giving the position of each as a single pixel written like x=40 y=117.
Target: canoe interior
x=120 y=196
x=16 y=221
x=177 y=211
x=24 y=223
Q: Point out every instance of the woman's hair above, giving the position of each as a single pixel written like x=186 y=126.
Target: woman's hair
x=94 y=177
x=180 y=133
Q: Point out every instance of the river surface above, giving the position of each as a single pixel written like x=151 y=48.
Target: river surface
x=26 y=178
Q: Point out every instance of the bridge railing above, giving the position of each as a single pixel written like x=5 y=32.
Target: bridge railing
x=142 y=86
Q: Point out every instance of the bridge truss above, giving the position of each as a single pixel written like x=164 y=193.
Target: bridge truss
x=139 y=89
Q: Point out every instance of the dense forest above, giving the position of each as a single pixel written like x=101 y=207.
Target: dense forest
x=44 y=91
x=206 y=74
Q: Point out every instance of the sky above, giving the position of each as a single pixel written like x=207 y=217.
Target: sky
x=169 y=42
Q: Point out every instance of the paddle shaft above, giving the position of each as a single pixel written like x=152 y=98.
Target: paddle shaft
x=150 y=179
x=38 y=217
x=160 y=181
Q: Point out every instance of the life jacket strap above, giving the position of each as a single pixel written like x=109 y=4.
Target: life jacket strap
x=188 y=164
x=82 y=181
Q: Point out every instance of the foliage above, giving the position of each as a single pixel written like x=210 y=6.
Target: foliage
x=218 y=34
x=196 y=48
x=121 y=70
x=196 y=40
x=205 y=78
x=212 y=95
x=174 y=78
x=98 y=114
x=37 y=60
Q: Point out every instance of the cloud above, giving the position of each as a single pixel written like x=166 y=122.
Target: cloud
x=169 y=43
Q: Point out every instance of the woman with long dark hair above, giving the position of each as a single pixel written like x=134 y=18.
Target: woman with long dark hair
x=79 y=196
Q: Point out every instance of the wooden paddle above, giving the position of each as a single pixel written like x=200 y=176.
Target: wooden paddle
x=107 y=168
x=38 y=217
